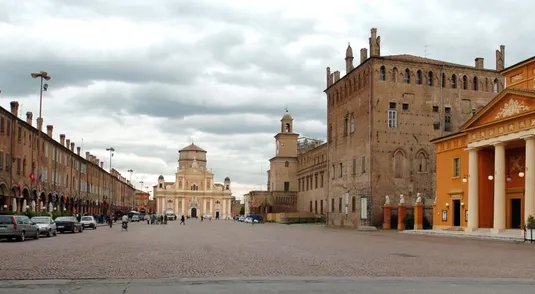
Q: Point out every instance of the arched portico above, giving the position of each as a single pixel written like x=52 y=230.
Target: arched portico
x=25 y=201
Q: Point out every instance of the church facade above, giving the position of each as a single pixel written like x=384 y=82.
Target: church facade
x=193 y=191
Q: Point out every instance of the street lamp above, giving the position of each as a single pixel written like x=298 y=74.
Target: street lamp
x=111 y=150
x=131 y=171
x=141 y=187
x=42 y=75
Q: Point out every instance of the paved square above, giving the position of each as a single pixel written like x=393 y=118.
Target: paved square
x=232 y=249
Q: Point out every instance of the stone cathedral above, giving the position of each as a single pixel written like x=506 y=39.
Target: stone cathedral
x=193 y=192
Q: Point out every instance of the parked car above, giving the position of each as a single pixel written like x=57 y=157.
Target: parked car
x=68 y=224
x=17 y=227
x=46 y=225
x=89 y=221
x=135 y=218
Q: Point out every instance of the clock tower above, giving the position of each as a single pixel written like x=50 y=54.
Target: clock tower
x=283 y=167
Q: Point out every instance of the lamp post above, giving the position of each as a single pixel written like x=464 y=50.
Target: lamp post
x=42 y=75
x=111 y=150
x=141 y=187
x=131 y=171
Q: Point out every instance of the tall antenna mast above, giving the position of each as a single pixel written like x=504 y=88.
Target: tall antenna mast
x=425 y=50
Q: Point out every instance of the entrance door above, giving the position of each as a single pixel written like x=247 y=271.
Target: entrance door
x=516 y=213
x=217 y=215
x=194 y=212
x=456 y=213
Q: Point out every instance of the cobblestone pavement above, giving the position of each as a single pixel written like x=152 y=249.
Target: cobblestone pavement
x=232 y=249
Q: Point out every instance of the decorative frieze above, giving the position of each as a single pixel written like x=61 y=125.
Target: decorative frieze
x=512 y=107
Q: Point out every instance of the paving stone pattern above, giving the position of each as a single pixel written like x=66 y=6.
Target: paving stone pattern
x=232 y=249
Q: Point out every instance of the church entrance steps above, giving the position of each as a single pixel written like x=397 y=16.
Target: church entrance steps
x=485 y=234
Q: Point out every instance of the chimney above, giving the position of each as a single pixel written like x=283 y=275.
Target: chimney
x=87 y=155
x=15 y=108
x=375 y=43
x=479 y=62
x=29 y=117
x=62 y=139
x=363 y=55
x=68 y=144
x=102 y=164
x=336 y=76
x=49 y=129
x=500 y=58
x=72 y=147
x=349 y=58
x=78 y=150
x=329 y=77
x=40 y=124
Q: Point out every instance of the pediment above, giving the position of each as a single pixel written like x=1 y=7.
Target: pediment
x=506 y=105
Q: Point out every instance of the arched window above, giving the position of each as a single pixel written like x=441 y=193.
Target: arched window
x=287 y=128
x=430 y=78
x=399 y=162
x=419 y=77
x=346 y=125
x=395 y=74
x=194 y=187
x=353 y=204
x=453 y=81
x=352 y=123
x=407 y=76
x=421 y=160
x=495 y=86
x=443 y=80
x=382 y=73
x=475 y=85
x=286 y=164
x=465 y=82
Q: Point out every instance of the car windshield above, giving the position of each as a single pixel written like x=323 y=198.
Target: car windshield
x=87 y=218
x=40 y=220
x=65 y=219
x=5 y=220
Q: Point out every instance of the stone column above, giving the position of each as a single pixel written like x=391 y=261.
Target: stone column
x=212 y=208
x=418 y=216
x=402 y=211
x=529 y=189
x=499 y=188
x=473 y=190
x=387 y=216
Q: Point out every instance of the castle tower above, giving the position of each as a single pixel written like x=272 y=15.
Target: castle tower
x=283 y=167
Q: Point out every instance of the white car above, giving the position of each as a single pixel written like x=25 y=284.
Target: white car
x=46 y=225
x=88 y=221
x=207 y=216
x=250 y=220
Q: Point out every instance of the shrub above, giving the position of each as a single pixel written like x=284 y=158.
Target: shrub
x=530 y=223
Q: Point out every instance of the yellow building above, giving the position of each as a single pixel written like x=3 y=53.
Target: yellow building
x=193 y=192
x=485 y=173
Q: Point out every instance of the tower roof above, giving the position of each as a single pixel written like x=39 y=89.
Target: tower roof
x=349 y=51
x=192 y=147
x=287 y=116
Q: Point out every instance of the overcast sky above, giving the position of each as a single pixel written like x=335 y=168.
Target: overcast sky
x=148 y=77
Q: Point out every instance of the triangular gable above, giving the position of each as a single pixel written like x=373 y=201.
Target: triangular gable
x=507 y=104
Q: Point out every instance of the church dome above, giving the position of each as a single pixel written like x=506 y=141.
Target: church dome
x=160 y=177
x=287 y=116
x=192 y=147
x=227 y=179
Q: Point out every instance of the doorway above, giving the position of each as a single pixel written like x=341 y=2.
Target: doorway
x=217 y=215
x=456 y=213
x=194 y=213
x=516 y=213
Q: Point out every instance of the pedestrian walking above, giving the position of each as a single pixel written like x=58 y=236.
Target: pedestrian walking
x=182 y=220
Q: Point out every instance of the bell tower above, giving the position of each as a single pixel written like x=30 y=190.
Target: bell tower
x=283 y=166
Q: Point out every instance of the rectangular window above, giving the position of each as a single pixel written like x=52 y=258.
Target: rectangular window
x=340 y=204
x=456 y=167
x=1 y=160
x=310 y=205
x=435 y=108
x=363 y=164
x=392 y=119
x=321 y=206
x=447 y=119
x=333 y=171
x=354 y=166
x=2 y=127
x=321 y=182
x=392 y=105
x=316 y=181
x=341 y=170
x=405 y=107
x=332 y=204
x=286 y=186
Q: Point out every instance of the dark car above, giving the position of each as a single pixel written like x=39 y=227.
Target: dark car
x=68 y=224
x=17 y=227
